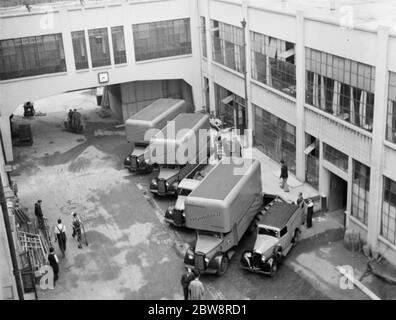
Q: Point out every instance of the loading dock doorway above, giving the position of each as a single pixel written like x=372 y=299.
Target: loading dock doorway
x=337 y=199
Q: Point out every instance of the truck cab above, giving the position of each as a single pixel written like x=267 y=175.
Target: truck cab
x=135 y=161
x=277 y=232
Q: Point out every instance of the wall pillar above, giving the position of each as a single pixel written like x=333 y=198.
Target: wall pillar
x=324 y=176
x=209 y=53
x=350 y=190
x=300 y=97
x=379 y=126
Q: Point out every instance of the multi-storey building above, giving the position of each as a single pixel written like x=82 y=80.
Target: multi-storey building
x=320 y=80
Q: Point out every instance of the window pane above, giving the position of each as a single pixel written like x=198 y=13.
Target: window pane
x=31 y=56
x=117 y=35
x=80 y=50
x=99 y=46
x=162 y=39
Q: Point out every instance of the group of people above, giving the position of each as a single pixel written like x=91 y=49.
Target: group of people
x=309 y=203
x=60 y=236
x=193 y=288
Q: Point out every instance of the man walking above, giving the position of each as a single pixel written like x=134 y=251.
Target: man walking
x=76 y=225
x=54 y=263
x=283 y=176
x=60 y=233
x=196 y=289
x=39 y=215
x=186 y=279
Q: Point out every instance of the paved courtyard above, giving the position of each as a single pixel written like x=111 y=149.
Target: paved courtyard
x=132 y=253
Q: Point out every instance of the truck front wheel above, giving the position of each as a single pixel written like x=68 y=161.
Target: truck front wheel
x=223 y=265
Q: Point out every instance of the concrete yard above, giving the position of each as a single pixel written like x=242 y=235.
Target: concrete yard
x=132 y=252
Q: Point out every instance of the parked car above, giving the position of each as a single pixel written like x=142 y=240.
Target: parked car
x=278 y=231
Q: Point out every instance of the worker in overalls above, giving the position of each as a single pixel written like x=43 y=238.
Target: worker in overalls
x=77 y=225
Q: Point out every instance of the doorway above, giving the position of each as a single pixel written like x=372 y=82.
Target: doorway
x=337 y=200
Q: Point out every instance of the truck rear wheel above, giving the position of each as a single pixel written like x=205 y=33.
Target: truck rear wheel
x=223 y=265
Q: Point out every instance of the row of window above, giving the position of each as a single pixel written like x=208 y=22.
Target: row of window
x=38 y=55
x=336 y=85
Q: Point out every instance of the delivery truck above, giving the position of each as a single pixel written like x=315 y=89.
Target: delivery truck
x=137 y=128
x=227 y=202
x=180 y=149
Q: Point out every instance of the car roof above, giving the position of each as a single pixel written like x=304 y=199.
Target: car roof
x=278 y=214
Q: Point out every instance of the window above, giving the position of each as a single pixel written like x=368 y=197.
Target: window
x=388 y=221
x=273 y=62
x=228 y=46
x=203 y=37
x=226 y=104
x=391 y=117
x=336 y=157
x=341 y=87
x=162 y=39
x=117 y=36
x=31 y=56
x=360 y=191
x=80 y=50
x=99 y=45
x=275 y=137
x=283 y=231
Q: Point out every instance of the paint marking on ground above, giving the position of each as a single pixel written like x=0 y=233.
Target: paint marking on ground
x=215 y=293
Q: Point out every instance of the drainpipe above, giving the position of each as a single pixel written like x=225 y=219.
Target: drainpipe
x=11 y=242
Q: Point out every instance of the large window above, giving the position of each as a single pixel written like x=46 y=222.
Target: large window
x=273 y=62
x=229 y=107
x=227 y=43
x=341 y=87
x=360 y=191
x=99 y=45
x=162 y=39
x=391 y=119
x=80 y=50
x=31 y=56
x=275 y=137
x=117 y=36
x=338 y=158
x=312 y=151
x=388 y=221
x=203 y=37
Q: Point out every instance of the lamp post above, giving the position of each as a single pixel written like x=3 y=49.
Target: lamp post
x=243 y=23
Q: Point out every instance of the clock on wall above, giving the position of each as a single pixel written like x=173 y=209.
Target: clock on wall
x=103 y=77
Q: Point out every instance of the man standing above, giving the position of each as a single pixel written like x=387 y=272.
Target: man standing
x=283 y=176
x=309 y=213
x=60 y=232
x=54 y=263
x=300 y=200
x=196 y=289
x=76 y=225
x=185 y=282
x=39 y=214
